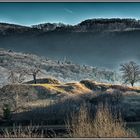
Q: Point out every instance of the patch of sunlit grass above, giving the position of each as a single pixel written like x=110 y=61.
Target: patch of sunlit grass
x=54 y=87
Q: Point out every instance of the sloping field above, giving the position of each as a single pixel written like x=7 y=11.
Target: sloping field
x=53 y=102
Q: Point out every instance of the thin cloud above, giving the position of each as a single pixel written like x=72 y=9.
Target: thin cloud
x=68 y=10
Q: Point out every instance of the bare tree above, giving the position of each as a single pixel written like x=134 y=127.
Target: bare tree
x=12 y=77
x=16 y=76
x=131 y=72
x=34 y=71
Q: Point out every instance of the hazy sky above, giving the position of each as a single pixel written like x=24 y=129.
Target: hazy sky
x=69 y=13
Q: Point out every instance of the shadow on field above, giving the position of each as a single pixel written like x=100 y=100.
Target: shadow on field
x=58 y=112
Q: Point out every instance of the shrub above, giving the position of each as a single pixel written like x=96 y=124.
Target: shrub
x=6 y=111
x=103 y=125
x=80 y=124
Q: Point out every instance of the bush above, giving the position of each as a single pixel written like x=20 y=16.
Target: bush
x=103 y=125
x=6 y=111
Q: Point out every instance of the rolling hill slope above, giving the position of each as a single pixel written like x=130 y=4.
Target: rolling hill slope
x=62 y=70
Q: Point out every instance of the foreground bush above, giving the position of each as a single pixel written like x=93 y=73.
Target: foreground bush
x=103 y=125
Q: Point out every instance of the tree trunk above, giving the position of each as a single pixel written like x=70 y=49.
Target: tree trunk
x=132 y=84
x=34 y=77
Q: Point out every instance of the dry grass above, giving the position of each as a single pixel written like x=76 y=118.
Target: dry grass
x=79 y=124
x=23 y=132
x=38 y=103
x=104 y=125
x=53 y=87
x=78 y=88
x=93 y=85
x=54 y=112
x=73 y=88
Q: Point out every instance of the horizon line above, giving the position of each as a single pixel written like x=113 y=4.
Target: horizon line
x=30 y=25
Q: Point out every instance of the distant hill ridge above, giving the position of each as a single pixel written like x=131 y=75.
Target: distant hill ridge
x=96 y=42
x=87 y=25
